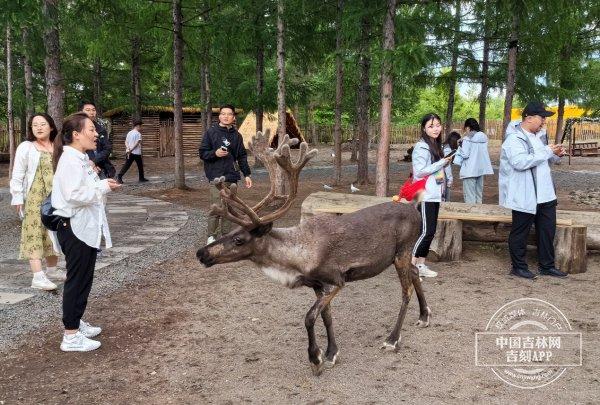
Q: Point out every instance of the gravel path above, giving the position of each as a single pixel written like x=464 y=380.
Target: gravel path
x=145 y=232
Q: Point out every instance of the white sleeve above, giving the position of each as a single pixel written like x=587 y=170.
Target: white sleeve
x=75 y=191
x=19 y=172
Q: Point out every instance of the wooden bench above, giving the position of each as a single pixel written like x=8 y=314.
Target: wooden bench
x=585 y=149
x=472 y=222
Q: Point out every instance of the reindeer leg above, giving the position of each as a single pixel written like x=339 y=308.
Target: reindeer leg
x=402 y=264
x=314 y=353
x=424 y=311
x=332 y=349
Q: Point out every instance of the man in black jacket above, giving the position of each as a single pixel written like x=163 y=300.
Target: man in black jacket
x=100 y=157
x=223 y=153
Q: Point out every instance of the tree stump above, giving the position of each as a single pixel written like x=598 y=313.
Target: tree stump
x=570 y=248
x=447 y=243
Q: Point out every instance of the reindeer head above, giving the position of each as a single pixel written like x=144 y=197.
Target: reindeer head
x=246 y=240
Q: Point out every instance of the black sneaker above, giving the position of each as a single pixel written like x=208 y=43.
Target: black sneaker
x=523 y=273
x=143 y=180
x=554 y=272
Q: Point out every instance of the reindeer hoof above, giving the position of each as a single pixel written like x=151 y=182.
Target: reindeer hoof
x=317 y=369
x=331 y=362
x=391 y=346
x=423 y=322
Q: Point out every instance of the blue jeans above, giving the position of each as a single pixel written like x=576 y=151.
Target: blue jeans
x=473 y=190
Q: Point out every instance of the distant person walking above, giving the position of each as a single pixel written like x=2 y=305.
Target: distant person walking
x=30 y=184
x=473 y=157
x=450 y=145
x=223 y=153
x=133 y=153
x=100 y=156
x=525 y=186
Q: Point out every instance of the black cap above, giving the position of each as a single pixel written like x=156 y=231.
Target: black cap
x=536 y=108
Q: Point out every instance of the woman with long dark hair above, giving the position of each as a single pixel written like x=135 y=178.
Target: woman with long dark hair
x=79 y=198
x=428 y=161
x=30 y=184
x=474 y=161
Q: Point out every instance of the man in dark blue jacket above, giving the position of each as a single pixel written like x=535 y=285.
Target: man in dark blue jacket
x=100 y=156
x=223 y=153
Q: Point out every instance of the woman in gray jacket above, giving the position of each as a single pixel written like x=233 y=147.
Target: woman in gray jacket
x=428 y=161
x=474 y=160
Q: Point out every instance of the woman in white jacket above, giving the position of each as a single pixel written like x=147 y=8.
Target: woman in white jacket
x=79 y=197
x=428 y=161
x=30 y=184
x=475 y=163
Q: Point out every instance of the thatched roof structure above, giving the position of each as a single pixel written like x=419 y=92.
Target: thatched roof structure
x=159 y=109
x=248 y=127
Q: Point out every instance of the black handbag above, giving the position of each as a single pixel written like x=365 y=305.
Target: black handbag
x=49 y=220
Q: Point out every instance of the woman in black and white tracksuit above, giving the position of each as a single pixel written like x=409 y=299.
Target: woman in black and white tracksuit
x=79 y=197
x=428 y=161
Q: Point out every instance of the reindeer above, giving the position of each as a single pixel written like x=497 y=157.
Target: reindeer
x=322 y=252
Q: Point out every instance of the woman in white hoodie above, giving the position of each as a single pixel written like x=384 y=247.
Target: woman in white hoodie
x=428 y=161
x=474 y=160
x=30 y=184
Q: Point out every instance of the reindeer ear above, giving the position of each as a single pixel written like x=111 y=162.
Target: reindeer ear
x=262 y=230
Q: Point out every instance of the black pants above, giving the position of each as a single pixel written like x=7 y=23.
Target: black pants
x=138 y=161
x=545 y=228
x=429 y=215
x=81 y=260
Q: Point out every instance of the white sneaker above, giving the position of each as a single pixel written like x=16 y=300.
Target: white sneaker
x=425 y=271
x=78 y=343
x=210 y=240
x=88 y=330
x=53 y=272
x=41 y=282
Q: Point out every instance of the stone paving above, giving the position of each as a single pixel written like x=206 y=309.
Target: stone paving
x=136 y=223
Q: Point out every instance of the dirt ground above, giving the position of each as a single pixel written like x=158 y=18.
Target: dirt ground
x=185 y=334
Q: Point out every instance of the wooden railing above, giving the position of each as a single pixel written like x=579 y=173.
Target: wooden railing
x=587 y=131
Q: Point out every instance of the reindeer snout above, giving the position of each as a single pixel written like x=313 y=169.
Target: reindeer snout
x=204 y=257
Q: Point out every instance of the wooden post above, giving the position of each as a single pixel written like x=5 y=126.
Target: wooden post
x=570 y=248
x=447 y=243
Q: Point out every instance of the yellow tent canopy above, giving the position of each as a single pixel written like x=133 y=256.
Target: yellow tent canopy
x=248 y=127
x=571 y=111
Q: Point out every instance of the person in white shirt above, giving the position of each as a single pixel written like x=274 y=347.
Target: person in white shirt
x=30 y=184
x=79 y=198
x=133 y=152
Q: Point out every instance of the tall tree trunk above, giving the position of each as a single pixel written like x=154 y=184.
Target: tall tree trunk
x=281 y=110
x=362 y=105
x=453 y=68
x=28 y=75
x=136 y=96
x=12 y=143
x=485 y=67
x=354 y=142
x=339 y=94
x=511 y=72
x=560 y=115
x=382 y=180
x=54 y=79
x=260 y=86
x=97 y=79
x=178 y=96
x=206 y=116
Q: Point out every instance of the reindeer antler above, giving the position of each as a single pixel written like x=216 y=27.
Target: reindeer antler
x=236 y=210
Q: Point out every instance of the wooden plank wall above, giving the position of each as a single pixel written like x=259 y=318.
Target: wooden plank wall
x=121 y=125
x=158 y=135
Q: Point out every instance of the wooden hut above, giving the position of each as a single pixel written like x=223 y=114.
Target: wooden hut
x=157 y=130
x=248 y=127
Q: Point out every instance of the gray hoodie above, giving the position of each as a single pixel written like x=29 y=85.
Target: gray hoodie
x=474 y=156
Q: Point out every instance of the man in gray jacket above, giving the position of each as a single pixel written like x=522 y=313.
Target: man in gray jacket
x=525 y=186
